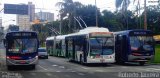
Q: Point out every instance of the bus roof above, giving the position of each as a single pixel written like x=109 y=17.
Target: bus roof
x=61 y=36
x=81 y=32
x=20 y=34
x=128 y=31
x=50 y=38
x=89 y=30
x=93 y=29
x=21 y=31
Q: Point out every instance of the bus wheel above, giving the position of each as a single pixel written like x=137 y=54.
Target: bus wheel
x=33 y=66
x=141 y=63
x=9 y=67
x=121 y=62
x=81 y=61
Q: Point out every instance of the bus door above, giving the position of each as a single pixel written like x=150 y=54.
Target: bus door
x=121 y=48
x=69 y=48
x=125 y=49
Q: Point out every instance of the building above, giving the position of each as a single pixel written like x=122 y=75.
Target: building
x=23 y=22
x=0 y=22
x=1 y=31
x=45 y=16
x=1 y=28
x=31 y=11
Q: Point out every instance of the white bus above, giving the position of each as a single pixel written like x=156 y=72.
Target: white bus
x=91 y=45
x=56 y=45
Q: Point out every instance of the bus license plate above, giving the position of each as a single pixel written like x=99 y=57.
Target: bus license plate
x=23 y=62
x=102 y=60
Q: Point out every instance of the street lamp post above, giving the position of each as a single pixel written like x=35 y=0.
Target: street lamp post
x=96 y=13
x=145 y=16
x=60 y=21
x=60 y=25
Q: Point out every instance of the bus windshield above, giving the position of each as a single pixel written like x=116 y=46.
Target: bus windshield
x=141 y=43
x=22 y=45
x=101 y=45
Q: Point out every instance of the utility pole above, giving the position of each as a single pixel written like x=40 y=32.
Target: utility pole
x=60 y=25
x=145 y=16
x=96 y=13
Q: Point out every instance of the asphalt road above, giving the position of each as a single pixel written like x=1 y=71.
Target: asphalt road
x=56 y=67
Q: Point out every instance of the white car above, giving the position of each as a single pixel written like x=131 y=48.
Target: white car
x=42 y=53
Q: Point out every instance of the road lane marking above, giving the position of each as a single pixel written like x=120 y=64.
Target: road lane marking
x=69 y=69
x=81 y=74
x=54 y=65
x=85 y=68
x=152 y=69
x=42 y=67
x=73 y=71
x=61 y=67
x=58 y=71
x=99 y=70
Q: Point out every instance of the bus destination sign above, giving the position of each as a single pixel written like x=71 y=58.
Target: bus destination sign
x=21 y=34
x=143 y=33
x=99 y=34
x=140 y=33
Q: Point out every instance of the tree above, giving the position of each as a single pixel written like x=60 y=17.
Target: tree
x=68 y=8
x=109 y=20
x=42 y=32
x=13 y=28
x=153 y=19
x=87 y=13
x=123 y=5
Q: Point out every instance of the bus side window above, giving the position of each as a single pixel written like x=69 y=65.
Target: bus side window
x=124 y=38
x=120 y=38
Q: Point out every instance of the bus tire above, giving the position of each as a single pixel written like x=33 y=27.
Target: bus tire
x=9 y=67
x=46 y=57
x=70 y=59
x=141 y=63
x=31 y=67
x=80 y=58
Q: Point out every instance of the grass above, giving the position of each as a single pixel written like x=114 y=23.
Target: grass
x=157 y=54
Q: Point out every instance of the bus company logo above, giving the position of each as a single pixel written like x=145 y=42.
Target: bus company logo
x=140 y=33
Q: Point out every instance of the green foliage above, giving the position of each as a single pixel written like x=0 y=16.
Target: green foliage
x=157 y=54
x=87 y=13
x=115 y=21
x=68 y=8
x=13 y=28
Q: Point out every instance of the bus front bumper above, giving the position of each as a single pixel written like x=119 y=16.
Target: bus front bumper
x=100 y=60
x=32 y=61
x=140 y=58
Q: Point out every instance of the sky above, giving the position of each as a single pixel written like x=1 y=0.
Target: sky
x=49 y=6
